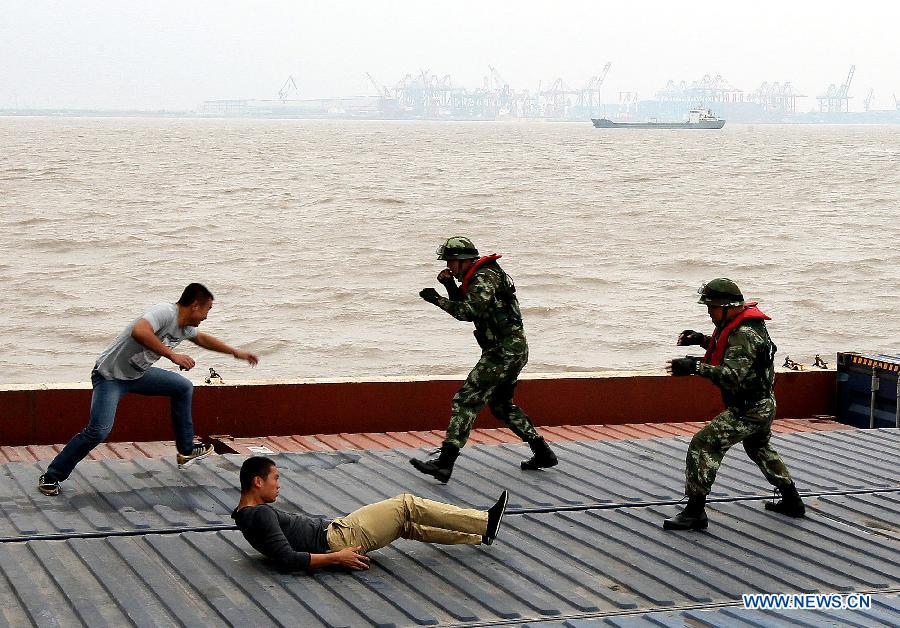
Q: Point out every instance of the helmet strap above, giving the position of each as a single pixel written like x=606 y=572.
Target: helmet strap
x=724 y=320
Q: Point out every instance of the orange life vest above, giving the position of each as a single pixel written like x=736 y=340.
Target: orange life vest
x=481 y=261
x=719 y=341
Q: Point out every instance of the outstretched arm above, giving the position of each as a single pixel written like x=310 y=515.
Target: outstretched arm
x=214 y=344
x=348 y=557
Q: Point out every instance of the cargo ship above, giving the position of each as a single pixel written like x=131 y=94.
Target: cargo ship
x=697 y=119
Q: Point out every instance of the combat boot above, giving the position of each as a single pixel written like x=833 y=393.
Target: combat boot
x=790 y=503
x=693 y=517
x=543 y=457
x=442 y=466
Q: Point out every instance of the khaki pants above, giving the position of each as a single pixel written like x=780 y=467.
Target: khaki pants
x=408 y=517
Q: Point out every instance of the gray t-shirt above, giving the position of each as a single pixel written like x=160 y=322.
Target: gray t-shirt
x=126 y=358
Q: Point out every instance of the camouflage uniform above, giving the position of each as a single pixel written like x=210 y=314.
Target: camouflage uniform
x=746 y=379
x=491 y=304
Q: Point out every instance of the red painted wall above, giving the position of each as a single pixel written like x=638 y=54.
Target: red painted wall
x=54 y=415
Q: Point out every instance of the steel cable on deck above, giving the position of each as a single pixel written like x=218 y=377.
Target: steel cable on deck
x=63 y=536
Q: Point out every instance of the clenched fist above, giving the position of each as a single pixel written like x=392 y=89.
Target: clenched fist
x=430 y=294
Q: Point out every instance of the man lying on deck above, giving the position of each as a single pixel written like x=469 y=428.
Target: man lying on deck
x=298 y=542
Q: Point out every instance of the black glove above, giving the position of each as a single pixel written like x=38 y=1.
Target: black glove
x=687 y=365
x=430 y=294
x=690 y=337
x=453 y=291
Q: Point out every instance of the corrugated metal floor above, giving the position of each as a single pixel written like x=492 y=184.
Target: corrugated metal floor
x=383 y=440
x=582 y=543
x=152 y=494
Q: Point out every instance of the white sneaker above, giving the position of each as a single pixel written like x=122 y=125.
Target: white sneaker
x=48 y=486
x=199 y=451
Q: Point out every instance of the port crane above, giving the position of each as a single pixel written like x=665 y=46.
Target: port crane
x=383 y=91
x=837 y=99
x=556 y=102
x=778 y=97
x=507 y=102
x=498 y=82
x=868 y=101
x=387 y=103
x=586 y=99
x=288 y=88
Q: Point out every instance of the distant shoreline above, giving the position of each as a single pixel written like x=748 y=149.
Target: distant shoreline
x=851 y=118
x=95 y=113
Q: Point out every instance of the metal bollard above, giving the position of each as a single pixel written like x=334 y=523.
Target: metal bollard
x=897 y=415
x=874 y=390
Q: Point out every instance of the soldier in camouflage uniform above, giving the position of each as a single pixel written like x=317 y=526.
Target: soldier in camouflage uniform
x=740 y=361
x=486 y=296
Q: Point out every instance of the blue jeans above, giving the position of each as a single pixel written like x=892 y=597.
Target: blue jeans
x=105 y=400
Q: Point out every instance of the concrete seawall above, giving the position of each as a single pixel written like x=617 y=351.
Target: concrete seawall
x=46 y=414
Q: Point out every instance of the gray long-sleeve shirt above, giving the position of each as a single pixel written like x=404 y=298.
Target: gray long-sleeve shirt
x=286 y=538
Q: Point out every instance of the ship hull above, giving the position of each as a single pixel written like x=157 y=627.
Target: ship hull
x=46 y=414
x=603 y=123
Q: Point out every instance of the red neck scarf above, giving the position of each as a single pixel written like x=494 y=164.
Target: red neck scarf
x=481 y=261
x=719 y=341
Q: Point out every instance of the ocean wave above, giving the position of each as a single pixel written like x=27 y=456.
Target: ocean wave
x=540 y=310
x=58 y=246
x=327 y=200
x=385 y=200
x=239 y=190
x=32 y=221
x=478 y=195
x=84 y=310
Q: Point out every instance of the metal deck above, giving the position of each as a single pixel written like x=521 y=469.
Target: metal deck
x=140 y=542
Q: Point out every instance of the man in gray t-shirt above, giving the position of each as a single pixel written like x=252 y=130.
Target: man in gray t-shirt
x=126 y=358
x=126 y=366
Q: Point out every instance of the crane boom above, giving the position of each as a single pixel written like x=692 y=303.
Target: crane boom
x=603 y=74
x=845 y=88
x=381 y=89
x=287 y=88
x=498 y=80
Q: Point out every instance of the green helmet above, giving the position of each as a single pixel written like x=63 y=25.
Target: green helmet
x=457 y=247
x=721 y=291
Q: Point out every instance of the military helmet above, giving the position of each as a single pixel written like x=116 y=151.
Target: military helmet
x=457 y=247
x=721 y=291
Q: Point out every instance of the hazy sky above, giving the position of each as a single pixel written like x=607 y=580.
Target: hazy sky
x=174 y=55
